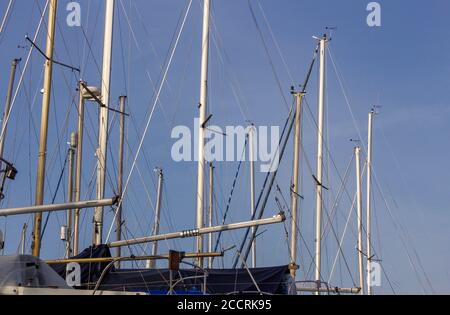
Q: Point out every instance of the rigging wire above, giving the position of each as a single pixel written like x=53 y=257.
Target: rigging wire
x=153 y=108
x=7 y=115
x=272 y=65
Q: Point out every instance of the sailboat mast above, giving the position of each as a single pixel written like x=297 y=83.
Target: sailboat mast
x=12 y=77
x=294 y=186
x=252 y=149
x=23 y=239
x=122 y=101
x=369 y=204
x=210 y=212
x=151 y=264
x=78 y=166
x=319 y=187
x=40 y=177
x=103 y=121
x=360 y=219
x=69 y=223
x=201 y=132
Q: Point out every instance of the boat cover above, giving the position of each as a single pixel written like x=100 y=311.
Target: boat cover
x=28 y=271
x=270 y=280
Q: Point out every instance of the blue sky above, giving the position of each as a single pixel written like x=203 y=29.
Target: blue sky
x=402 y=66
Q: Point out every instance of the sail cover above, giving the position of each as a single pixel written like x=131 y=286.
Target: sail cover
x=28 y=271
x=270 y=280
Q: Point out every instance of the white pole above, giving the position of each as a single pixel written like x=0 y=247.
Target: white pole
x=201 y=132
x=58 y=207
x=103 y=122
x=368 y=204
x=151 y=263
x=71 y=160
x=360 y=219
x=12 y=76
x=319 y=187
x=122 y=101
x=23 y=238
x=294 y=185
x=206 y=230
x=252 y=149
x=210 y=212
x=78 y=166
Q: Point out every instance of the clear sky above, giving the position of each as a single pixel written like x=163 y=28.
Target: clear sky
x=403 y=66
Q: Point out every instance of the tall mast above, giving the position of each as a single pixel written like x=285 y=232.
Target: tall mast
x=210 y=212
x=40 y=177
x=360 y=219
x=151 y=264
x=368 y=204
x=122 y=101
x=23 y=239
x=77 y=188
x=71 y=160
x=294 y=185
x=252 y=149
x=12 y=77
x=319 y=187
x=103 y=122
x=201 y=132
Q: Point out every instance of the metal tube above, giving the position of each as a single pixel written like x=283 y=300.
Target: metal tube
x=194 y=233
x=122 y=101
x=210 y=212
x=58 y=207
x=71 y=159
x=103 y=121
x=78 y=167
x=319 y=175
x=12 y=77
x=139 y=258
x=329 y=290
x=151 y=264
x=40 y=177
x=294 y=185
x=360 y=219
x=23 y=238
x=201 y=132
x=252 y=148
x=368 y=205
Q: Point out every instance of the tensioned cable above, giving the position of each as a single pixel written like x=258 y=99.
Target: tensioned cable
x=153 y=109
x=340 y=79
x=277 y=46
x=6 y=19
x=268 y=54
x=230 y=197
x=7 y=115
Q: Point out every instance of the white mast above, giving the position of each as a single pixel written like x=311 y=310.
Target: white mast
x=368 y=204
x=70 y=191
x=252 y=148
x=319 y=187
x=78 y=166
x=12 y=76
x=294 y=185
x=40 y=177
x=103 y=122
x=151 y=264
x=360 y=219
x=122 y=101
x=210 y=212
x=201 y=132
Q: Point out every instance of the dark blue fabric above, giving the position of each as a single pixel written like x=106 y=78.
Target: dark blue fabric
x=90 y=272
x=272 y=280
